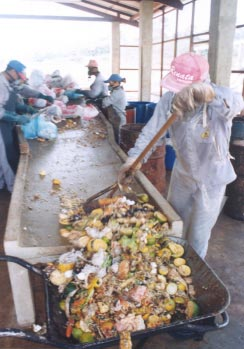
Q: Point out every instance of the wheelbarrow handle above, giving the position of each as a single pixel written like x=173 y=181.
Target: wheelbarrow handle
x=21 y=262
x=215 y=325
x=225 y=320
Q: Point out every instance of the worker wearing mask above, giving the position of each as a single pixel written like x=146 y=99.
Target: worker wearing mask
x=200 y=136
x=117 y=100
x=98 y=88
x=9 y=148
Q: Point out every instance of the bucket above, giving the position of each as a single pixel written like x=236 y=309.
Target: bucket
x=140 y=111
x=234 y=206
x=130 y=113
x=154 y=168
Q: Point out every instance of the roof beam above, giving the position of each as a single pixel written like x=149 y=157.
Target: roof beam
x=107 y=18
x=122 y=5
x=104 y=7
x=172 y=3
x=60 y=18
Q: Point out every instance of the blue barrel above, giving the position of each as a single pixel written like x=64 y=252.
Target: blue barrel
x=141 y=108
x=237 y=130
x=169 y=157
x=149 y=111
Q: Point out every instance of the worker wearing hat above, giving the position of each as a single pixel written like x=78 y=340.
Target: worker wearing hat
x=9 y=151
x=98 y=88
x=117 y=100
x=200 y=136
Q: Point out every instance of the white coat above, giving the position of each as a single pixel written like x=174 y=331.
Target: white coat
x=117 y=100
x=202 y=168
x=98 y=88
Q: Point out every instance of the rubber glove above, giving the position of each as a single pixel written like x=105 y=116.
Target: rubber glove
x=23 y=120
x=190 y=97
x=123 y=177
x=50 y=99
x=24 y=108
x=15 y=118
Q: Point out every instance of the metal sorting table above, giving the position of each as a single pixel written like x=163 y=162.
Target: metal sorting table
x=85 y=160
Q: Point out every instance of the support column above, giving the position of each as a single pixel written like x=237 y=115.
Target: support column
x=116 y=47
x=146 y=14
x=222 y=30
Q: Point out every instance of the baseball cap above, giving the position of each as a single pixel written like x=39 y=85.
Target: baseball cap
x=115 y=77
x=18 y=67
x=92 y=64
x=186 y=69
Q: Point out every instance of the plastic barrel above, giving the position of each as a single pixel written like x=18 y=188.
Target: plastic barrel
x=130 y=113
x=169 y=157
x=150 y=107
x=140 y=111
x=234 y=206
x=154 y=168
x=237 y=130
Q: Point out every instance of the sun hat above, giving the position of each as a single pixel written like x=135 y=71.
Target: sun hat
x=115 y=77
x=186 y=69
x=92 y=64
x=18 y=67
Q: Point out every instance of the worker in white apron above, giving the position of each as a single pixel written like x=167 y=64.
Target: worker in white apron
x=200 y=137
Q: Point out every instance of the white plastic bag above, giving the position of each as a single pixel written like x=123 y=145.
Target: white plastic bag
x=89 y=112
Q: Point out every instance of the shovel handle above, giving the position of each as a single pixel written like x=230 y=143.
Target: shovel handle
x=158 y=135
x=104 y=191
x=154 y=140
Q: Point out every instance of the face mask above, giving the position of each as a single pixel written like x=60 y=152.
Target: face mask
x=17 y=84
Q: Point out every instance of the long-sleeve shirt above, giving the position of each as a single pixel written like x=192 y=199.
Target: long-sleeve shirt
x=98 y=88
x=5 y=90
x=201 y=143
x=117 y=100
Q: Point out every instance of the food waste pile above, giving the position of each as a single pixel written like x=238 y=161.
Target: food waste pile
x=123 y=274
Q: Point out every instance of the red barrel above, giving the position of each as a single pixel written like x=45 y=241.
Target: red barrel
x=130 y=113
x=154 y=168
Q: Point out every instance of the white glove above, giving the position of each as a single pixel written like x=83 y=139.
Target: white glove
x=191 y=97
x=125 y=168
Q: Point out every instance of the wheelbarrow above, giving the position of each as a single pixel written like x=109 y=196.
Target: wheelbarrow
x=212 y=297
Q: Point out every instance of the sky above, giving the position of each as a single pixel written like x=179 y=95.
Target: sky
x=49 y=45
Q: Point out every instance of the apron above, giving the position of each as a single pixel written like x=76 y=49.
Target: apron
x=9 y=134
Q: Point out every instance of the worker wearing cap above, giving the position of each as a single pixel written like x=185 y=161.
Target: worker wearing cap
x=9 y=150
x=98 y=88
x=200 y=136
x=117 y=100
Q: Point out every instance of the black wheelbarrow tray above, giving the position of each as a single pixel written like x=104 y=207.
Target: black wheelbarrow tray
x=211 y=295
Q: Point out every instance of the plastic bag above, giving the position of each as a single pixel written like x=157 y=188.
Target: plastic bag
x=39 y=127
x=30 y=130
x=89 y=112
x=46 y=129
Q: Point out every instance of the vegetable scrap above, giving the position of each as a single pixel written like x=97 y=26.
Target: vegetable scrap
x=123 y=275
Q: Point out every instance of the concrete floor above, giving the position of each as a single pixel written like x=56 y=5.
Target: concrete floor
x=225 y=257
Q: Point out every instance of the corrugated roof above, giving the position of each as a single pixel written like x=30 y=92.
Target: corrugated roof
x=124 y=11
